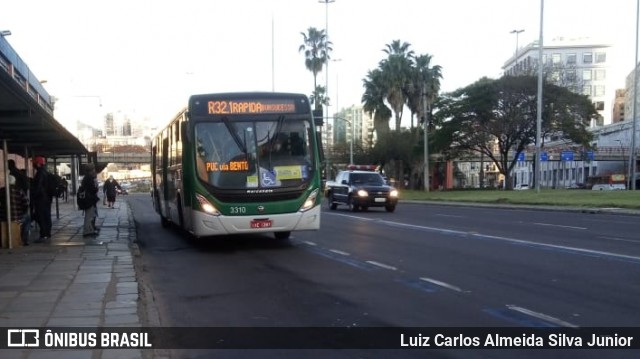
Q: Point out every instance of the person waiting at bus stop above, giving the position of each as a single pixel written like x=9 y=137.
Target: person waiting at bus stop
x=40 y=199
x=19 y=205
x=90 y=185
x=22 y=184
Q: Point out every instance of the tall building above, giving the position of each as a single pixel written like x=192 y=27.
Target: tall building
x=580 y=64
x=619 y=106
x=362 y=130
x=118 y=124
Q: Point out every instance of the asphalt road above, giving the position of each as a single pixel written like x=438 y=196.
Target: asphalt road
x=422 y=266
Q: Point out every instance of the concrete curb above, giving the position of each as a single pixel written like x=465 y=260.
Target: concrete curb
x=588 y=210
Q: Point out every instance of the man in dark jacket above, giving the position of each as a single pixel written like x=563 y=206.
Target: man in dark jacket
x=41 y=200
x=90 y=185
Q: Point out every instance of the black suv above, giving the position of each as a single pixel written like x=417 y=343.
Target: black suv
x=361 y=190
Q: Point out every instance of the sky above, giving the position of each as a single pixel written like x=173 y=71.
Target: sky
x=144 y=58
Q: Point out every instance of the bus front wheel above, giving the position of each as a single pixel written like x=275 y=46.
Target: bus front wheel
x=164 y=222
x=282 y=235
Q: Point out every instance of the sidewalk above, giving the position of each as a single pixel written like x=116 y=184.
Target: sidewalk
x=73 y=281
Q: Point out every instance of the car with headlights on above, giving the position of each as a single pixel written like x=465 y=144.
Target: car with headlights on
x=360 y=190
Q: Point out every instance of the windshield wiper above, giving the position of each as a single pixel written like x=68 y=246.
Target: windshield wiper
x=242 y=145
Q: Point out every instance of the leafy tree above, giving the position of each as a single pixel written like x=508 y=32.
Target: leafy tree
x=498 y=118
x=316 y=50
x=319 y=97
x=392 y=150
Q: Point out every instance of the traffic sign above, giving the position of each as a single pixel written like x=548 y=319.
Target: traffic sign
x=544 y=156
x=566 y=156
x=521 y=156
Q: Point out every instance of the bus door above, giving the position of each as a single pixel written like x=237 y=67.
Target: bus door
x=165 y=170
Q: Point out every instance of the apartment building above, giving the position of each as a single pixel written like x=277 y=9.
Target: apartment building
x=352 y=122
x=581 y=64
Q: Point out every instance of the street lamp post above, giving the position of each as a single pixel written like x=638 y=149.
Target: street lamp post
x=539 y=101
x=326 y=30
x=632 y=153
x=337 y=104
x=326 y=85
x=425 y=123
x=515 y=62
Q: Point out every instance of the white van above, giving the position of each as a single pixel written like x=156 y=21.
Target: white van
x=609 y=187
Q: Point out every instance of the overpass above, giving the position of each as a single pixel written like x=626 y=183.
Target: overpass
x=126 y=158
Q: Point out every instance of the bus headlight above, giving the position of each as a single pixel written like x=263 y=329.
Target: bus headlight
x=310 y=201
x=206 y=205
x=362 y=193
x=393 y=193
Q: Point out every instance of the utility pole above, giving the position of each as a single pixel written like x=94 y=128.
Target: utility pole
x=539 y=105
x=632 y=152
x=515 y=62
x=425 y=106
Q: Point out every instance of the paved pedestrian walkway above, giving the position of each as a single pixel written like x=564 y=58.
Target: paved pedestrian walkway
x=73 y=281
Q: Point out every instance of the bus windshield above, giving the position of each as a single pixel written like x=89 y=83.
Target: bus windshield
x=254 y=154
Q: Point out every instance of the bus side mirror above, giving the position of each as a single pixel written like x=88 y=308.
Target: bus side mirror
x=320 y=147
x=183 y=131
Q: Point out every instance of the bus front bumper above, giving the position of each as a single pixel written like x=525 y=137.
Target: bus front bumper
x=208 y=225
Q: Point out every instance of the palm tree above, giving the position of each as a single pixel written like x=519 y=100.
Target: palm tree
x=316 y=49
x=319 y=96
x=396 y=69
x=424 y=79
x=373 y=101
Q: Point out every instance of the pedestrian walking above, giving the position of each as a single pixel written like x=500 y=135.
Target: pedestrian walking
x=64 y=184
x=90 y=186
x=19 y=205
x=41 y=198
x=109 y=189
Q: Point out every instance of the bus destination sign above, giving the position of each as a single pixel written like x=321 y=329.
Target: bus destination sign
x=250 y=107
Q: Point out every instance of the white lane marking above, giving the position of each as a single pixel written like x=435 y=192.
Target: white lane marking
x=619 y=239
x=566 y=248
x=310 y=243
x=558 y=225
x=443 y=284
x=339 y=252
x=542 y=316
x=382 y=265
x=504 y=239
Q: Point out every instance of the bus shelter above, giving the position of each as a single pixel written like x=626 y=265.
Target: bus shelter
x=27 y=125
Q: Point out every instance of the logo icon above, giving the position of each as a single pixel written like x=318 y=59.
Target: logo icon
x=20 y=338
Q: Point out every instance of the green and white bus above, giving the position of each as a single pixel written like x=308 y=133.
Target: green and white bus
x=239 y=163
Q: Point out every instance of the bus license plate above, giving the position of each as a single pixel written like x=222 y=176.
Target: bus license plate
x=261 y=223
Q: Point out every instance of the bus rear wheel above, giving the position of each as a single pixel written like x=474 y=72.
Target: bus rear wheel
x=282 y=235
